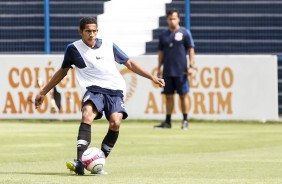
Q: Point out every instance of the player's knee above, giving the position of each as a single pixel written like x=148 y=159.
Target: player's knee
x=169 y=97
x=115 y=124
x=87 y=114
x=183 y=96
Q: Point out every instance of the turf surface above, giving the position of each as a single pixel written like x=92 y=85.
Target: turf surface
x=207 y=153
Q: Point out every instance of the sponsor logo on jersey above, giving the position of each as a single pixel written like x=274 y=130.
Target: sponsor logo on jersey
x=99 y=57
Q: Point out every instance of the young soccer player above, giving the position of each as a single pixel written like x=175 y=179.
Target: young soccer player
x=94 y=59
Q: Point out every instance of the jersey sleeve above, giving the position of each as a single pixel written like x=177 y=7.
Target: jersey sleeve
x=120 y=56
x=189 y=42
x=68 y=57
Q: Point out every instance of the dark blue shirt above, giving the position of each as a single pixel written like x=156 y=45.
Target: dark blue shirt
x=175 y=46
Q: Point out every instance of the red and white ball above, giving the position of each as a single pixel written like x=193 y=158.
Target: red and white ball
x=94 y=159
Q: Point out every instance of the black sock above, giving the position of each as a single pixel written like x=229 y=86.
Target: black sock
x=168 y=118
x=83 y=139
x=185 y=116
x=109 y=142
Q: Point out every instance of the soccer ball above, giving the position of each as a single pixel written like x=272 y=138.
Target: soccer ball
x=94 y=159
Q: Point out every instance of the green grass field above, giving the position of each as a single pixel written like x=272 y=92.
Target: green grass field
x=207 y=153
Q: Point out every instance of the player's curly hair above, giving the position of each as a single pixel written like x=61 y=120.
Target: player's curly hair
x=87 y=20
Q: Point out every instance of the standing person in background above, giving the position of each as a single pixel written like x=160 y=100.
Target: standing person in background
x=94 y=59
x=174 y=44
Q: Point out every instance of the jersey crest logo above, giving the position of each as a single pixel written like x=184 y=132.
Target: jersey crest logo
x=178 y=36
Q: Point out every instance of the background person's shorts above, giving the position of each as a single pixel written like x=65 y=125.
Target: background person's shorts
x=178 y=84
x=107 y=103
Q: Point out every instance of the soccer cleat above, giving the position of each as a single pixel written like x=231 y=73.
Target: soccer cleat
x=184 y=125
x=102 y=172
x=76 y=166
x=163 y=125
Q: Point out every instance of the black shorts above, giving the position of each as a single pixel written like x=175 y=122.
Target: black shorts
x=178 y=84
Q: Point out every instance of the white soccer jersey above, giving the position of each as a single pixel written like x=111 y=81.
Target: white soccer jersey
x=96 y=66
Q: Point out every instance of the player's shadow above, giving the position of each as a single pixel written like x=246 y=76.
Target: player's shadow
x=42 y=173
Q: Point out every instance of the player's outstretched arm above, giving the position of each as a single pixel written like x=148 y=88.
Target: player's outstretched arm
x=57 y=77
x=131 y=65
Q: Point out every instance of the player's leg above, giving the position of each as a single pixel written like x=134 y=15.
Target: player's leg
x=89 y=113
x=111 y=137
x=184 y=108
x=182 y=90
x=169 y=94
x=115 y=112
x=84 y=137
x=112 y=134
x=169 y=107
x=169 y=110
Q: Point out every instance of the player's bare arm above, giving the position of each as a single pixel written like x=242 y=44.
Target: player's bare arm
x=160 y=62
x=191 y=52
x=191 y=69
x=57 y=77
x=131 y=65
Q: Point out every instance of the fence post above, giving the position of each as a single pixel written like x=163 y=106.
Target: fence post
x=47 y=27
x=187 y=14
